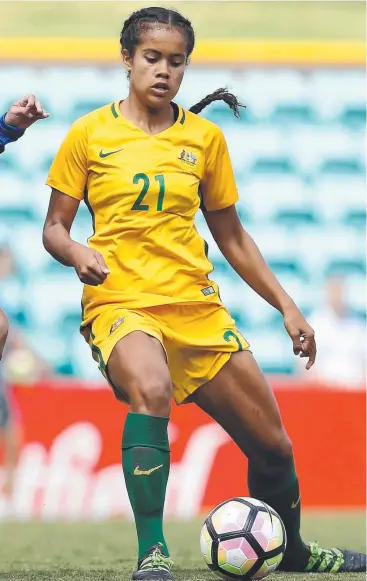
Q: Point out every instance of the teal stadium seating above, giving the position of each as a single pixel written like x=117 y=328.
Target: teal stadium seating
x=299 y=156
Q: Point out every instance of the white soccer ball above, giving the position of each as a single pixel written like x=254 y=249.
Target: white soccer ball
x=243 y=538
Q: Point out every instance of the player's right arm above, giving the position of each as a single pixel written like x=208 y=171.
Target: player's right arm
x=89 y=264
x=67 y=178
x=4 y=328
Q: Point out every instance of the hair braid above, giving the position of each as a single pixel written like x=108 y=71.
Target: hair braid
x=130 y=35
x=219 y=95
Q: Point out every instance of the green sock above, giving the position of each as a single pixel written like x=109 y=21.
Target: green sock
x=280 y=490
x=146 y=463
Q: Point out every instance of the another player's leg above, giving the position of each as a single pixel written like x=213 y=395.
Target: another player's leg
x=138 y=370
x=241 y=401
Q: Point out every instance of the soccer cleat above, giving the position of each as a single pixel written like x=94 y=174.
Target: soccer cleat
x=330 y=561
x=154 y=565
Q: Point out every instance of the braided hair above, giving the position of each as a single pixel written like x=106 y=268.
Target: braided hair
x=141 y=20
x=219 y=95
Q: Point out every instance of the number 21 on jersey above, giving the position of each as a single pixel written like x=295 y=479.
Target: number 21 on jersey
x=142 y=177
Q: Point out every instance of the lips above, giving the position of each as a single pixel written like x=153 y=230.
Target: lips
x=160 y=88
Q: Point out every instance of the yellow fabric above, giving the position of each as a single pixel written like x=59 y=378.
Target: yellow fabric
x=198 y=339
x=143 y=191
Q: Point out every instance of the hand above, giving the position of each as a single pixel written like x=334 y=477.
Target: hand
x=4 y=328
x=25 y=112
x=89 y=265
x=302 y=335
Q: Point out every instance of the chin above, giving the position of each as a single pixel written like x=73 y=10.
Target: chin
x=156 y=102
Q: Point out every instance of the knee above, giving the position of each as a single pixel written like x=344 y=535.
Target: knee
x=152 y=396
x=282 y=445
x=279 y=456
x=275 y=456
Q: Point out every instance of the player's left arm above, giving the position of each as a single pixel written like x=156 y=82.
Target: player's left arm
x=219 y=196
x=21 y=115
x=239 y=248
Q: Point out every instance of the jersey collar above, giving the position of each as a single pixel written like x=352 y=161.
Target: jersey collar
x=180 y=118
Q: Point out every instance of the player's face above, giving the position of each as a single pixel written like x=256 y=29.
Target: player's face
x=158 y=66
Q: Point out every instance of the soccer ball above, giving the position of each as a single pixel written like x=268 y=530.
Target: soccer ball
x=243 y=538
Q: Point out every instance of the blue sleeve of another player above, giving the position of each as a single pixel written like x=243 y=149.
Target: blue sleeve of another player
x=8 y=133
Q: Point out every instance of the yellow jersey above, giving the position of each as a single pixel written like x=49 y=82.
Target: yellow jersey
x=143 y=192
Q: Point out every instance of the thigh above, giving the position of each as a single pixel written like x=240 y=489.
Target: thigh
x=241 y=401
x=199 y=339
x=128 y=348
x=137 y=369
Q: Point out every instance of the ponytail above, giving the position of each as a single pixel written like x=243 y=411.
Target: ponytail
x=219 y=95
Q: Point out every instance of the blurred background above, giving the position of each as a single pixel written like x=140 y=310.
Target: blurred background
x=299 y=156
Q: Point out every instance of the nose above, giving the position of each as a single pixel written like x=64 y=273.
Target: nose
x=162 y=69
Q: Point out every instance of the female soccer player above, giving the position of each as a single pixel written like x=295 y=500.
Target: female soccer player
x=152 y=317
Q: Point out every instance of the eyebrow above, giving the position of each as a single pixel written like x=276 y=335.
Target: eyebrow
x=158 y=53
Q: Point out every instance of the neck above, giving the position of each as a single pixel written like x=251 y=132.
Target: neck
x=148 y=119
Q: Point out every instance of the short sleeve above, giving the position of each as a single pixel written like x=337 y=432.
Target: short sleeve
x=69 y=170
x=218 y=186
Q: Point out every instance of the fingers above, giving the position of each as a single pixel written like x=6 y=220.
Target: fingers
x=101 y=262
x=41 y=113
x=297 y=343
x=25 y=101
x=31 y=107
x=95 y=271
x=309 y=350
x=30 y=101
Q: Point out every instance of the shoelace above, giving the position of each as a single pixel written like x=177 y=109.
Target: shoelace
x=327 y=556
x=156 y=560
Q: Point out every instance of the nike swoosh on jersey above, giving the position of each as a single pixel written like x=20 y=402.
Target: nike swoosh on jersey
x=139 y=472
x=102 y=154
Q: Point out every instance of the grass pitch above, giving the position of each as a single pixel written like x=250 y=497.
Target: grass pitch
x=106 y=551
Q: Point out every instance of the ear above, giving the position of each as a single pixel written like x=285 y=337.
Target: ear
x=126 y=59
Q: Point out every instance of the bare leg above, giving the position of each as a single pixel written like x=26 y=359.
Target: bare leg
x=138 y=370
x=241 y=401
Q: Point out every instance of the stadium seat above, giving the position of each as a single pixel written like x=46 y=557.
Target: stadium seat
x=293 y=114
x=16 y=215
x=338 y=199
x=354 y=117
x=342 y=166
x=334 y=91
x=273 y=166
x=26 y=243
x=38 y=146
x=12 y=192
x=356 y=292
x=356 y=218
x=283 y=200
x=85 y=106
x=314 y=146
x=12 y=297
x=268 y=89
x=253 y=143
x=273 y=351
x=49 y=344
x=40 y=299
x=331 y=249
